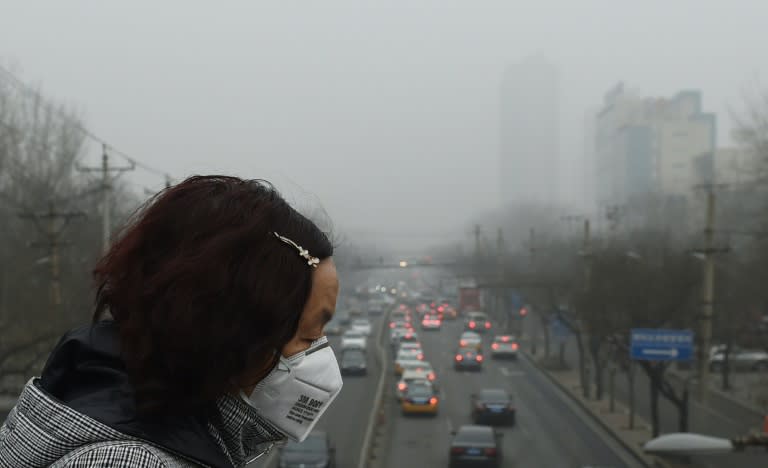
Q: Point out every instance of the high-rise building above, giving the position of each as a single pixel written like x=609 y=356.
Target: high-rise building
x=530 y=133
x=651 y=147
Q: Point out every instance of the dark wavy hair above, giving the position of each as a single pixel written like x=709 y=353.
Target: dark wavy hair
x=203 y=292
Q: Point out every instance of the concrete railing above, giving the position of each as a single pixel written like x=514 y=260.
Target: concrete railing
x=366 y=450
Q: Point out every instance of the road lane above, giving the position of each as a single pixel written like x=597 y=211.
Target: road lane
x=549 y=430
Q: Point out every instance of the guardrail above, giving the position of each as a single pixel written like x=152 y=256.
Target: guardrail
x=366 y=450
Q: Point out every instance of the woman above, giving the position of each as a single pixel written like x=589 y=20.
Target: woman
x=206 y=345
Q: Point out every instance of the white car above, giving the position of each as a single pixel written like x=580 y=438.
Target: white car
x=353 y=339
x=361 y=325
x=504 y=346
x=470 y=340
x=740 y=359
x=410 y=345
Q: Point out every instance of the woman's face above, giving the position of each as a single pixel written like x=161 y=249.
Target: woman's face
x=317 y=312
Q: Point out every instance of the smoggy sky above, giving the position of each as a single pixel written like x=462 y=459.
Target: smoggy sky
x=386 y=112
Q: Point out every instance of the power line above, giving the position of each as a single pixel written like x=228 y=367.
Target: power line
x=16 y=81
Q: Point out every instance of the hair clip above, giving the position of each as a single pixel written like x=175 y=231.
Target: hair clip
x=311 y=261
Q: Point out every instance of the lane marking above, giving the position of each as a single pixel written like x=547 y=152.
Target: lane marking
x=514 y=373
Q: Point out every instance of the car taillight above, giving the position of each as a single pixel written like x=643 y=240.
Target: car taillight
x=472 y=324
x=515 y=346
x=433 y=401
x=462 y=343
x=402 y=386
x=490 y=451
x=487 y=324
x=459 y=357
x=495 y=346
x=431 y=376
x=479 y=358
x=457 y=450
x=504 y=339
x=391 y=325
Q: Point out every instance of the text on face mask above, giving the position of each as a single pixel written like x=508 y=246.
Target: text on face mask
x=305 y=409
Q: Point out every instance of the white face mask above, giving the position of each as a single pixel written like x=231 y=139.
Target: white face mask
x=298 y=390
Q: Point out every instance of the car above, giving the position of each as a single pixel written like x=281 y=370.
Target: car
x=739 y=359
x=403 y=364
x=333 y=328
x=409 y=337
x=493 y=406
x=353 y=339
x=396 y=333
x=316 y=450
x=353 y=362
x=404 y=356
x=474 y=445
x=449 y=312
x=477 y=322
x=409 y=345
x=470 y=340
x=419 y=399
x=504 y=346
x=395 y=324
x=468 y=359
x=408 y=378
x=431 y=322
x=361 y=325
x=421 y=366
x=411 y=354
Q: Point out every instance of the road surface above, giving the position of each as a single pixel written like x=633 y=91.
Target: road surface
x=550 y=431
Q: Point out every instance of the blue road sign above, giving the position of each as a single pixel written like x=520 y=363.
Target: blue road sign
x=649 y=344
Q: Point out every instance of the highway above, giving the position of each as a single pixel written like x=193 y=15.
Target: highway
x=550 y=430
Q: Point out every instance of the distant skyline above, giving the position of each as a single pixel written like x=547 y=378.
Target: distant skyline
x=386 y=113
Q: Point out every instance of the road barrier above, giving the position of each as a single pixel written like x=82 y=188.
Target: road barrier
x=366 y=450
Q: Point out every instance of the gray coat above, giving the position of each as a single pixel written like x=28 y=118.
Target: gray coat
x=59 y=422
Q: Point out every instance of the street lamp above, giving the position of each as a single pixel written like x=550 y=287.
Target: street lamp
x=688 y=444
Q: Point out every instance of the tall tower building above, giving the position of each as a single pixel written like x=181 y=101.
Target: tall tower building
x=530 y=133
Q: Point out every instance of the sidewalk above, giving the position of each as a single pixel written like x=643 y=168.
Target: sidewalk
x=748 y=392
x=615 y=422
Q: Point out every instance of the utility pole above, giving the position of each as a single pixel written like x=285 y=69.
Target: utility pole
x=707 y=298
x=534 y=324
x=106 y=189
x=501 y=313
x=586 y=253
x=55 y=224
x=477 y=243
